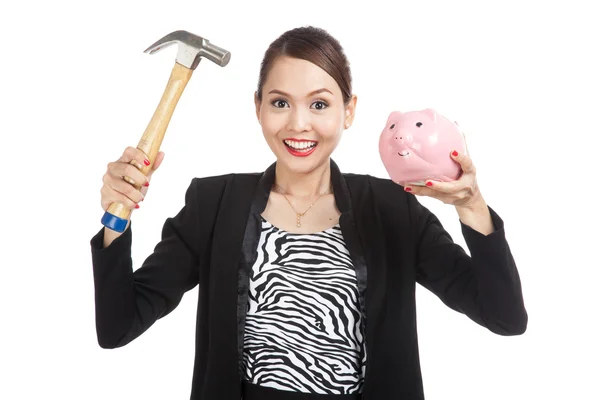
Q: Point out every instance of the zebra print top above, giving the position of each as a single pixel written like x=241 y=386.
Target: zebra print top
x=303 y=328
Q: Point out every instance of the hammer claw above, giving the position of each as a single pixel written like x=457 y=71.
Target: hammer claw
x=191 y=49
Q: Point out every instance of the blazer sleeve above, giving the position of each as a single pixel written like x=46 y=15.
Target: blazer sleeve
x=127 y=303
x=484 y=286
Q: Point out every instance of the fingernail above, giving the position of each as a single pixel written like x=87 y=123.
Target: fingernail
x=147 y=184
x=408 y=189
x=455 y=153
x=429 y=183
x=137 y=206
x=147 y=162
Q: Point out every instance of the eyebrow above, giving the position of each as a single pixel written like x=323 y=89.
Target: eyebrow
x=310 y=94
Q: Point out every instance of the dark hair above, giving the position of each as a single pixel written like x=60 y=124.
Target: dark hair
x=311 y=44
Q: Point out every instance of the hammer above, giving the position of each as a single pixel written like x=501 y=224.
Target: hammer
x=191 y=49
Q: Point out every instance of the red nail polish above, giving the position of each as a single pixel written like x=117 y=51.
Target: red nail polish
x=454 y=153
x=429 y=184
x=147 y=162
x=137 y=206
x=407 y=189
x=147 y=184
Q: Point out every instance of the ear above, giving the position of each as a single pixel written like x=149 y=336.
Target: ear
x=350 y=112
x=394 y=116
x=431 y=113
x=257 y=106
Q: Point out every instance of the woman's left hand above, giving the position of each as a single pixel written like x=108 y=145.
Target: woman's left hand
x=462 y=193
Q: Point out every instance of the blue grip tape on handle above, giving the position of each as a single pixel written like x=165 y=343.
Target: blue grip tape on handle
x=113 y=222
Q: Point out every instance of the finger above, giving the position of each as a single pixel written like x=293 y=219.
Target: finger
x=159 y=158
x=446 y=198
x=157 y=162
x=126 y=189
x=466 y=163
x=108 y=198
x=420 y=191
x=466 y=144
x=122 y=186
x=451 y=187
x=127 y=172
x=132 y=153
x=110 y=195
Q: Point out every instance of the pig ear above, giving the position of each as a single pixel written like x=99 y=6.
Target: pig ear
x=394 y=114
x=431 y=113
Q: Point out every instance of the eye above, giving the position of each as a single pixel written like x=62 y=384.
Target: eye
x=419 y=124
x=392 y=127
x=279 y=103
x=320 y=105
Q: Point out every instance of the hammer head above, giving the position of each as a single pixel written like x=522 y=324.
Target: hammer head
x=191 y=49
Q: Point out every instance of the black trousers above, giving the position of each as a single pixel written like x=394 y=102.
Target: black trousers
x=255 y=392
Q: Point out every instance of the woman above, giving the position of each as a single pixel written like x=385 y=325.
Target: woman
x=307 y=275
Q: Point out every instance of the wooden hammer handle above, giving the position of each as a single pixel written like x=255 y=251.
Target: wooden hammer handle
x=117 y=215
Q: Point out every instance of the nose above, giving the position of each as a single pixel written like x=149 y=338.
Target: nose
x=299 y=120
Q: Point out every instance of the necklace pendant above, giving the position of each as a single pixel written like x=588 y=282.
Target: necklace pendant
x=298 y=220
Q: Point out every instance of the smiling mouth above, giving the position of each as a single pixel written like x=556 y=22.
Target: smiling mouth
x=300 y=147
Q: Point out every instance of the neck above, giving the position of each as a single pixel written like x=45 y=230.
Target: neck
x=313 y=183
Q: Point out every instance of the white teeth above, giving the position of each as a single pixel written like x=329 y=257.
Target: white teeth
x=300 y=145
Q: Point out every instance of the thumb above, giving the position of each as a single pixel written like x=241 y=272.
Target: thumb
x=159 y=159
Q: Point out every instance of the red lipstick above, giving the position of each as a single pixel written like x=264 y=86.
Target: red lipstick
x=303 y=152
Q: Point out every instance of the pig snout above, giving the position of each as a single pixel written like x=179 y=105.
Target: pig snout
x=402 y=142
x=404 y=138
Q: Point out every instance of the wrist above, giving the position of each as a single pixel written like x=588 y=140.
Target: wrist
x=477 y=216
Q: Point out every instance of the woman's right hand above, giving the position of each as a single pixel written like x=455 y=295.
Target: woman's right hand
x=121 y=175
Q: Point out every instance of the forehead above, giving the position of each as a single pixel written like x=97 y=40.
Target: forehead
x=299 y=77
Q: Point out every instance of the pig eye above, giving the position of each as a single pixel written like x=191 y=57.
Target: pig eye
x=419 y=124
x=392 y=127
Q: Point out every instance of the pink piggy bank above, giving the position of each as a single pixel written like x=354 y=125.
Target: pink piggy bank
x=416 y=145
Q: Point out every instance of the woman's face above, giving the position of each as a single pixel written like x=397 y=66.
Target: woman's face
x=302 y=113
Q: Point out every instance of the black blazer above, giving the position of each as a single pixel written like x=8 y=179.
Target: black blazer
x=393 y=240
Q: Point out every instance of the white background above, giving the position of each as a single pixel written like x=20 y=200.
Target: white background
x=520 y=77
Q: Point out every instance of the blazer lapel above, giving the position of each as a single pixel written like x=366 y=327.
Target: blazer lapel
x=228 y=238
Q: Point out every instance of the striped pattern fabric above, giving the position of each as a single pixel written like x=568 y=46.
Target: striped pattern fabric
x=303 y=330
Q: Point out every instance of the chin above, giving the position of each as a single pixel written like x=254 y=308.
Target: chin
x=302 y=165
